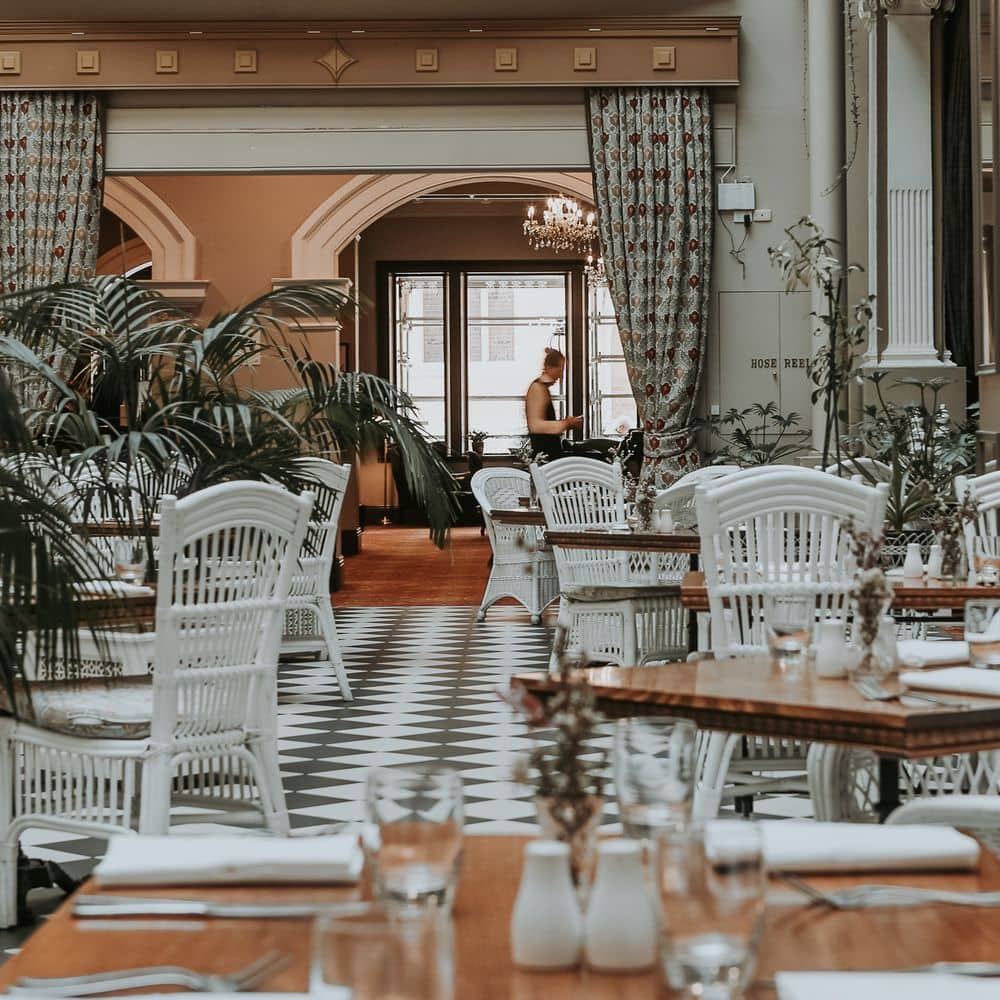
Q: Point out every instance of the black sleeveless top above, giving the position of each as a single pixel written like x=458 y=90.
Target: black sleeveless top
x=549 y=445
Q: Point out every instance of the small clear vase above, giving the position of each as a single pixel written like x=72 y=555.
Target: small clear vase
x=877 y=659
x=574 y=822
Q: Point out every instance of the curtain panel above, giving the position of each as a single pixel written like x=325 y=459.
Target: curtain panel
x=51 y=176
x=651 y=152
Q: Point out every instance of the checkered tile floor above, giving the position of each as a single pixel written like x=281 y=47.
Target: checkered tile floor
x=424 y=683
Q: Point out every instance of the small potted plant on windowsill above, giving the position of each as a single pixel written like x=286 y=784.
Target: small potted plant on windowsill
x=477 y=441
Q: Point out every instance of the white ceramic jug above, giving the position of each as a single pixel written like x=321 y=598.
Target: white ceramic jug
x=934 y=561
x=546 y=929
x=913 y=567
x=620 y=930
x=831 y=649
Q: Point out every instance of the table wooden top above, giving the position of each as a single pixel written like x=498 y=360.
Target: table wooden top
x=910 y=595
x=519 y=515
x=677 y=540
x=750 y=695
x=116 y=529
x=119 y=609
x=796 y=936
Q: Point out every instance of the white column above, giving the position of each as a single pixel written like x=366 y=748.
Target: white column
x=827 y=196
x=909 y=209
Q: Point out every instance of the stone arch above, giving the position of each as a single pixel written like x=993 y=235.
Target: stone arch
x=364 y=199
x=173 y=246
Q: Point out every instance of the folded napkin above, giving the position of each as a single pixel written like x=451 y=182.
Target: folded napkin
x=805 y=846
x=115 y=588
x=881 y=986
x=932 y=652
x=961 y=680
x=229 y=859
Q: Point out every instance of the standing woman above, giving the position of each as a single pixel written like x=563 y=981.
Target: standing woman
x=543 y=428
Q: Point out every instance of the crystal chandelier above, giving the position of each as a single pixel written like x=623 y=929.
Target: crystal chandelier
x=562 y=227
x=594 y=270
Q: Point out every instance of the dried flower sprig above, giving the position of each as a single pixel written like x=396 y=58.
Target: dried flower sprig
x=569 y=771
x=949 y=521
x=865 y=547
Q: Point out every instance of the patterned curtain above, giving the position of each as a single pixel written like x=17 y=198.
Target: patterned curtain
x=51 y=172
x=651 y=151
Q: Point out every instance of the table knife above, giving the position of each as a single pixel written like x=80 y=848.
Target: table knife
x=141 y=906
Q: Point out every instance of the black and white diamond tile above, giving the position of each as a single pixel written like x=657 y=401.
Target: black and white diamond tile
x=425 y=686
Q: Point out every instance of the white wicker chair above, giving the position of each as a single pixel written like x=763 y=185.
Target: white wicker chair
x=985 y=490
x=612 y=603
x=844 y=781
x=309 y=597
x=679 y=498
x=974 y=812
x=202 y=730
x=870 y=469
x=765 y=532
x=524 y=567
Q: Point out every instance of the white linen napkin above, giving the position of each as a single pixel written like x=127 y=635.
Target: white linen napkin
x=115 y=588
x=932 y=652
x=961 y=680
x=806 y=846
x=881 y=986
x=229 y=859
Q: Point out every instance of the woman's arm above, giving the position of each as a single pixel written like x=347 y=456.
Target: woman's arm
x=535 y=403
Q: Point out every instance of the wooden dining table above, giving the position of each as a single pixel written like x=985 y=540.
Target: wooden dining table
x=751 y=695
x=797 y=935
x=908 y=595
x=526 y=516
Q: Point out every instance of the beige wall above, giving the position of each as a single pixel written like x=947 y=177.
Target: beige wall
x=243 y=225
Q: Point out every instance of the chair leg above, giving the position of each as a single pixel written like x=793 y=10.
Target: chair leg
x=328 y=625
x=8 y=844
x=264 y=762
x=714 y=756
x=154 y=797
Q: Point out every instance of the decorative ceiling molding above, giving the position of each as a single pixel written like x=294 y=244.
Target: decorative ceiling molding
x=396 y=54
x=173 y=246
x=363 y=200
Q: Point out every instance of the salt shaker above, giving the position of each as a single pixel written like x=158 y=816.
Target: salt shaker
x=934 y=562
x=831 y=649
x=620 y=930
x=913 y=567
x=546 y=929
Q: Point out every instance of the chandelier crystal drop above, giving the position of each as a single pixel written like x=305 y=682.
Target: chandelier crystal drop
x=562 y=227
x=594 y=270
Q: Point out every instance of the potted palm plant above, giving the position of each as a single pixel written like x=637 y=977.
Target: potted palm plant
x=138 y=380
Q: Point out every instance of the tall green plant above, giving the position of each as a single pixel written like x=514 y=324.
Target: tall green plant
x=808 y=260
x=149 y=383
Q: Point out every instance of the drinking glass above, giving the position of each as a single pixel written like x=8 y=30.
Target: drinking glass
x=383 y=952
x=414 y=841
x=654 y=764
x=982 y=633
x=130 y=560
x=789 y=622
x=986 y=557
x=711 y=884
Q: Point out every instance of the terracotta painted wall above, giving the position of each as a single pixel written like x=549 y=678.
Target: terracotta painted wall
x=243 y=225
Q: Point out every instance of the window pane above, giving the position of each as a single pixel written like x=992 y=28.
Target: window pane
x=511 y=319
x=420 y=347
x=612 y=403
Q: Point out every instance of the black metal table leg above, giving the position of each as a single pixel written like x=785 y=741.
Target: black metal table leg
x=693 y=615
x=888 y=786
x=33 y=873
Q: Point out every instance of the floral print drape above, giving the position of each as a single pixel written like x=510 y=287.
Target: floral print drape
x=51 y=174
x=651 y=151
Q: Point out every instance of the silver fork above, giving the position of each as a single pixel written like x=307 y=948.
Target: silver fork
x=860 y=897
x=164 y=975
x=873 y=691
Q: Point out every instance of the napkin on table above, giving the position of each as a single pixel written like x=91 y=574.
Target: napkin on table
x=932 y=652
x=960 y=680
x=882 y=986
x=806 y=846
x=228 y=859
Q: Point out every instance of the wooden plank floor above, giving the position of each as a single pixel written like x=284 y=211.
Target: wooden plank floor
x=400 y=567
